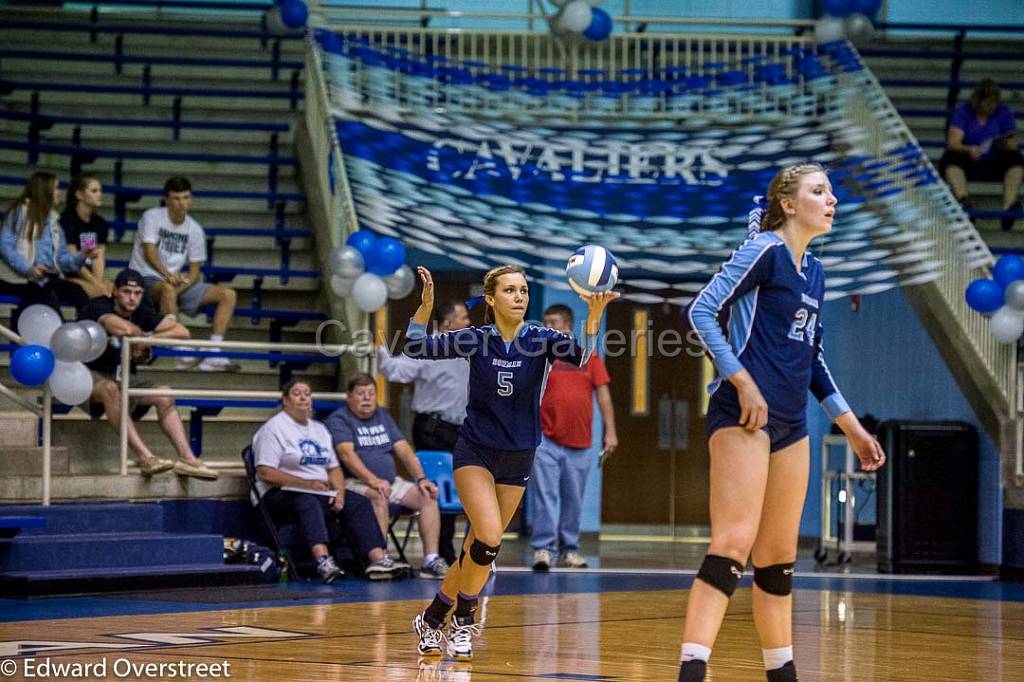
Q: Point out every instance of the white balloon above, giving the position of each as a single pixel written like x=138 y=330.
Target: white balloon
x=347 y=262
x=859 y=28
x=342 y=286
x=401 y=283
x=71 y=342
x=829 y=30
x=98 y=339
x=575 y=16
x=71 y=382
x=1007 y=325
x=370 y=292
x=37 y=324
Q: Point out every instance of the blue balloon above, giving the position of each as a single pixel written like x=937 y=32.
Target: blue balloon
x=362 y=241
x=1008 y=269
x=867 y=7
x=386 y=256
x=32 y=365
x=600 y=25
x=984 y=295
x=294 y=13
x=838 y=8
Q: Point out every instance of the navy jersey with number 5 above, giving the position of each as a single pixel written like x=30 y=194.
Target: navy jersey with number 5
x=774 y=327
x=505 y=379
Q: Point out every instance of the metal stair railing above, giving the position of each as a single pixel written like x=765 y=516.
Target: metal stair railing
x=44 y=412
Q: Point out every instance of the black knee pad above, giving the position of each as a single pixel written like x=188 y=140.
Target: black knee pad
x=776 y=579
x=721 y=573
x=483 y=555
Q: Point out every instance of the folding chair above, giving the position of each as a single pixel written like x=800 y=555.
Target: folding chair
x=248 y=459
x=437 y=467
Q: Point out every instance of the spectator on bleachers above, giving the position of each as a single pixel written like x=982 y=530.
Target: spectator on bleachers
x=167 y=240
x=86 y=230
x=981 y=144
x=125 y=314
x=438 y=401
x=367 y=441
x=292 y=453
x=33 y=247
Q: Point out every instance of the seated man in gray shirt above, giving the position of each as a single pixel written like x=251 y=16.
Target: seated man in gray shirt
x=367 y=441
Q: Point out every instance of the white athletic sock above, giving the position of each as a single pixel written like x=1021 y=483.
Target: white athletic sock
x=216 y=338
x=776 y=658
x=427 y=559
x=694 y=652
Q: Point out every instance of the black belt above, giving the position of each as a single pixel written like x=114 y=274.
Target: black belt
x=437 y=416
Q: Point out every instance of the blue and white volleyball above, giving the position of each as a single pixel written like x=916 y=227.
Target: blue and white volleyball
x=591 y=270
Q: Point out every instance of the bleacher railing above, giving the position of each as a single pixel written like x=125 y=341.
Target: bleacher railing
x=653 y=75
x=43 y=411
x=127 y=392
x=882 y=129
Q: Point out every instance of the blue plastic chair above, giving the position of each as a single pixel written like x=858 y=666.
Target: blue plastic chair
x=437 y=466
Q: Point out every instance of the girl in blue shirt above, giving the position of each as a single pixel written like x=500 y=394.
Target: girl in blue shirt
x=494 y=453
x=33 y=246
x=773 y=290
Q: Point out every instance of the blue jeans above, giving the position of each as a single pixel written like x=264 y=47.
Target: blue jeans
x=559 y=475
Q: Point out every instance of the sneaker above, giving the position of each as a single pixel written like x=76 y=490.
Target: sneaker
x=430 y=638
x=386 y=569
x=693 y=671
x=572 y=559
x=220 y=364
x=435 y=570
x=183 y=363
x=541 y=559
x=329 y=571
x=1006 y=222
x=195 y=469
x=460 y=640
x=155 y=465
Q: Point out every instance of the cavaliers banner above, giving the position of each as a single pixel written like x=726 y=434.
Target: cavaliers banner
x=670 y=202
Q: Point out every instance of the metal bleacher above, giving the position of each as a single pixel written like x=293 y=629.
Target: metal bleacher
x=954 y=58
x=133 y=98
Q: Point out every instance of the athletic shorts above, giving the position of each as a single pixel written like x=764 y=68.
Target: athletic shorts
x=989 y=169
x=509 y=467
x=723 y=413
x=189 y=301
x=136 y=408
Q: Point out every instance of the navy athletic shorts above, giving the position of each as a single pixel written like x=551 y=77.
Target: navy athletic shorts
x=724 y=412
x=509 y=467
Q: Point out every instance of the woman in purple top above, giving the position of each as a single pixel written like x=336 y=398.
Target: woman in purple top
x=981 y=144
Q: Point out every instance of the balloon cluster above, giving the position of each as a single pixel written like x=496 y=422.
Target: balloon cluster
x=846 y=19
x=286 y=16
x=55 y=353
x=583 y=17
x=371 y=270
x=1003 y=295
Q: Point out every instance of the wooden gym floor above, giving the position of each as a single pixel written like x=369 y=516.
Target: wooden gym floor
x=591 y=625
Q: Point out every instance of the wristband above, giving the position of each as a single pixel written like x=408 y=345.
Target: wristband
x=420 y=479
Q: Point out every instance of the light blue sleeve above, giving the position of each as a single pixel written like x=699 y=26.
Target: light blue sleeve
x=9 y=245
x=749 y=267
x=823 y=385
x=462 y=343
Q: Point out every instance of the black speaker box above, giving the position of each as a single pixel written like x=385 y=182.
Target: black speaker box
x=928 y=498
